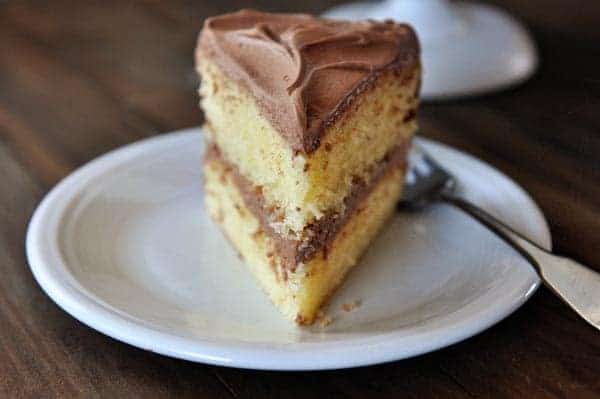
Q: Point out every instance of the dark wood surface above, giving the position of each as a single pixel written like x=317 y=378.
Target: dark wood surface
x=78 y=79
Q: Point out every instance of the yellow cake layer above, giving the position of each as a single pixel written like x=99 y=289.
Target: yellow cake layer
x=303 y=187
x=298 y=294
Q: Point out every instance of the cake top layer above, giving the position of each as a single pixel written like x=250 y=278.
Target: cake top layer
x=304 y=71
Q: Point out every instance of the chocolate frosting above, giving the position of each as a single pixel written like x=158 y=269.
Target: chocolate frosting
x=302 y=70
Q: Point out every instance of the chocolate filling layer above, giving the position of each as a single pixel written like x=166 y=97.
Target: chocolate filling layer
x=320 y=233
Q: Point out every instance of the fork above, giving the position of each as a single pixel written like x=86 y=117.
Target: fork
x=575 y=284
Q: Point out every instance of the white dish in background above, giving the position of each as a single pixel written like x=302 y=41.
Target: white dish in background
x=467 y=48
x=124 y=245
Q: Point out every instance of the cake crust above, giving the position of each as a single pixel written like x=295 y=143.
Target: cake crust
x=303 y=71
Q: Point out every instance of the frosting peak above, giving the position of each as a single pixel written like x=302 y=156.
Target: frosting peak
x=302 y=69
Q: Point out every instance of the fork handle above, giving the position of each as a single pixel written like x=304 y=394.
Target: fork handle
x=577 y=285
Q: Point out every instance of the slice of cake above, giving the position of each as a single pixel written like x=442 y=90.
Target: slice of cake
x=308 y=122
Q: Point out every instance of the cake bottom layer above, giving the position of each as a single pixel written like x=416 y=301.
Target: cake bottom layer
x=300 y=293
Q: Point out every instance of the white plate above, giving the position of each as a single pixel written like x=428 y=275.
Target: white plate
x=124 y=245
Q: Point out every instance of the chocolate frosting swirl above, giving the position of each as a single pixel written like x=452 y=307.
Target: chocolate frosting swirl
x=302 y=70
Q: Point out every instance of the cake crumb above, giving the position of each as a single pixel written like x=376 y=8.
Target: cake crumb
x=323 y=320
x=350 y=306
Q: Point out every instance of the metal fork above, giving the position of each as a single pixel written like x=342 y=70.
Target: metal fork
x=575 y=284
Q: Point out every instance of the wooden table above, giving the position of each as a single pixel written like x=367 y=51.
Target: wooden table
x=78 y=79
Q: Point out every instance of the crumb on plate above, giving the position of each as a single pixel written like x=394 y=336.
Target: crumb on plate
x=348 y=307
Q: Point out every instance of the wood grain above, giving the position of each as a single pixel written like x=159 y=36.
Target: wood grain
x=80 y=78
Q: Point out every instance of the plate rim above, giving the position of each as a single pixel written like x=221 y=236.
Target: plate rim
x=51 y=273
